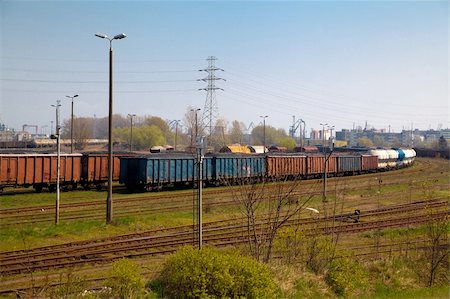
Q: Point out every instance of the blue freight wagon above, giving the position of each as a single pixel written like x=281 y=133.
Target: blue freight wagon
x=155 y=171
x=348 y=164
x=232 y=167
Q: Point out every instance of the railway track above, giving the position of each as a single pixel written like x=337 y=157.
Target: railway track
x=141 y=205
x=368 y=251
x=221 y=233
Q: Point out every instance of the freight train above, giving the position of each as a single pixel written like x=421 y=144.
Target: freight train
x=154 y=171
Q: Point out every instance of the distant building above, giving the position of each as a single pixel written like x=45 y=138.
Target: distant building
x=383 y=138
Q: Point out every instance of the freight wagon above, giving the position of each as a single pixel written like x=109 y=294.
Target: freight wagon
x=155 y=171
x=94 y=168
x=348 y=164
x=315 y=165
x=286 y=166
x=232 y=168
x=39 y=170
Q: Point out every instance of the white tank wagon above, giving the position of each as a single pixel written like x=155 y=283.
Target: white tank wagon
x=393 y=158
x=383 y=157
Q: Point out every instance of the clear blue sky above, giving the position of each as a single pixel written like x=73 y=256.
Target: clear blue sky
x=330 y=61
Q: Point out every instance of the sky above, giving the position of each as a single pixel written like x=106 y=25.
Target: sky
x=343 y=63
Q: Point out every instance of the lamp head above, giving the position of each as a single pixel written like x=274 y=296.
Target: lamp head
x=120 y=36
x=101 y=35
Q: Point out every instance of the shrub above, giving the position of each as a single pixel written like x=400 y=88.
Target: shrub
x=209 y=273
x=345 y=276
x=126 y=280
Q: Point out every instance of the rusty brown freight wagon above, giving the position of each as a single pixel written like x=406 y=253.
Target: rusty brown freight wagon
x=286 y=166
x=315 y=165
x=39 y=170
x=369 y=163
x=95 y=168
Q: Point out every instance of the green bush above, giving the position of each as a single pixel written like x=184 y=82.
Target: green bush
x=345 y=276
x=209 y=273
x=126 y=280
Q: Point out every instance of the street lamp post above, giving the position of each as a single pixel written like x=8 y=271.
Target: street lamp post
x=199 y=146
x=109 y=203
x=71 y=124
x=324 y=195
x=176 y=132
x=58 y=152
x=131 y=130
x=302 y=133
x=264 y=130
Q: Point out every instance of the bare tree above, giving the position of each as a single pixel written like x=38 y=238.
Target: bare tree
x=236 y=131
x=268 y=207
x=191 y=125
x=82 y=131
x=437 y=251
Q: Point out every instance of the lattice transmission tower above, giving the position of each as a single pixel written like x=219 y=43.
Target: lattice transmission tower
x=211 y=109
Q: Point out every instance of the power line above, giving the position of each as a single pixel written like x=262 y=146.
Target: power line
x=103 y=91
x=96 y=72
x=97 y=60
x=92 y=82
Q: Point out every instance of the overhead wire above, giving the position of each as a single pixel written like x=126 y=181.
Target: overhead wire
x=329 y=94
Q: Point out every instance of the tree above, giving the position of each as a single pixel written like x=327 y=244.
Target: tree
x=267 y=208
x=218 y=138
x=236 y=132
x=437 y=252
x=273 y=135
x=82 y=130
x=443 y=146
x=144 y=137
x=378 y=141
x=101 y=125
x=191 y=125
x=287 y=142
x=160 y=123
x=364 y=141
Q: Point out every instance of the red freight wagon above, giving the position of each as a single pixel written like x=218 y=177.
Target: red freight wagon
x=369 y=163
x=39 y=170
x=95 y=168
x=315 y=165
x=286 y=165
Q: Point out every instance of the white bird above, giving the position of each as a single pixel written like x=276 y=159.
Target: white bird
x=312 y=210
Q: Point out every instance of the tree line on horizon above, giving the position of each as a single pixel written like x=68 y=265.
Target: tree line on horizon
x=149 y=131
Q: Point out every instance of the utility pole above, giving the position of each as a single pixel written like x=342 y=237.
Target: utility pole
x=264 y=130
x=131 y=130
x=199 y=146
x=197 y=204
x=211 y=110
x=58 y=152
x=302 y=134
x=324 y=194
x=71 y=124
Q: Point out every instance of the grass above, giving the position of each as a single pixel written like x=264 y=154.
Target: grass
x=43 y=234
x=439 y=292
